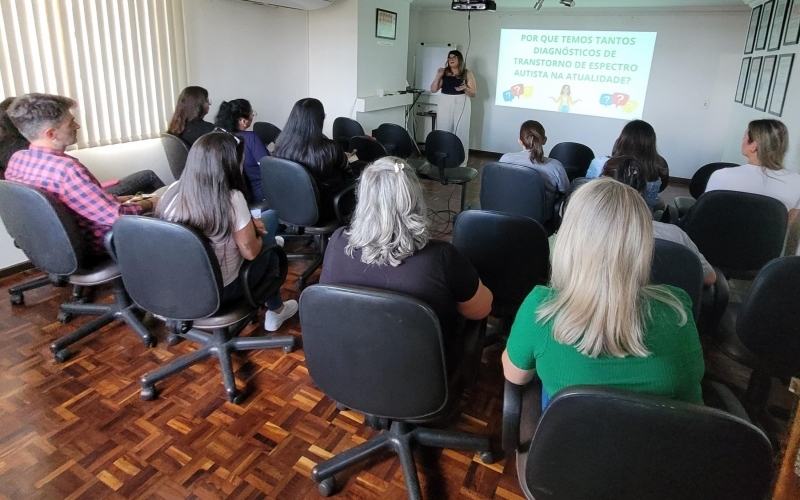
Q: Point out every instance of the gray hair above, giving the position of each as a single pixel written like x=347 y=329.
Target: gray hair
x=390 y=221
x=32 y=113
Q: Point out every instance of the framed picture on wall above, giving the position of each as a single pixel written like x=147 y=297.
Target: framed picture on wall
x=792 y=32
x=385 y=24
x=765 y=83
x=742 y=80
x=750 y=42
x=752 y=81
x=776 y=29
x=782 y=73
x=763 y=24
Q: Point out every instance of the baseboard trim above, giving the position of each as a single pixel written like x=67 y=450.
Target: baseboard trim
x=16 y=268
x=679 y=181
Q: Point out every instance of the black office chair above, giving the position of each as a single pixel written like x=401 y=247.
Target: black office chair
x=16 y=293
x=511 y=255
x=291 y=191
x=574 y=156
x=398 y=142
x=593 y=443
x=381 y=354
x=676 y=265
x=737 y=232
x=367 y=150
x=48 y=233
x=445 y=154
x=762 y=333
x=171 y=271
x=697 y=186
x=514 y=190
x=345 y=128
x=266 y=132
x=177 y=151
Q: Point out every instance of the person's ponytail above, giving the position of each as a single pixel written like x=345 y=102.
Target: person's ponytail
x=531 y=134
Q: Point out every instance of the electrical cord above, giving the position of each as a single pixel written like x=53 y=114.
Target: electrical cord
x=445 y=216
x=466 y=54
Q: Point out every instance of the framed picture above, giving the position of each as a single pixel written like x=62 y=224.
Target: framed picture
x=763 y=24
x=385 y=24
x=752 y=81
x=765 y=83
x=776 y=29
x=792 y=32
x=750 y=42
x=782 y=73
x=742 y=80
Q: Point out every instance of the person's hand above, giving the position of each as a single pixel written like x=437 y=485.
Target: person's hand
x=147 y=205
x=123 y=199
x=351 y=154
x=462 y=87
x=260 y=228
x=440 y=73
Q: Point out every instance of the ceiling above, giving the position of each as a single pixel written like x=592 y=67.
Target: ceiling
x=585 y=5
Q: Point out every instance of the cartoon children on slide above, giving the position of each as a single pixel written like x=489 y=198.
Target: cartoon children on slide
x=564 y=101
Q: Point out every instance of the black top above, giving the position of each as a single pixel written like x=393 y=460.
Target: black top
x=11 y=141
x=449 y=84
x=194 y=129
x=438 y=275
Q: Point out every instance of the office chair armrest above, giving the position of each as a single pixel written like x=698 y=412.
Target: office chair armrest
x=108 y=242
x=683 y=204
x=512 y=413
x=474 y=334
x=722 y=398
x=344 y=203
x=270 y=284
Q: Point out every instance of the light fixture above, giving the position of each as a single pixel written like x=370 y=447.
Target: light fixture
x=538 y=6
x=567 y=3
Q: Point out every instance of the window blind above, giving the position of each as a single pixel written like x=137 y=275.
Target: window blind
x=124 y=61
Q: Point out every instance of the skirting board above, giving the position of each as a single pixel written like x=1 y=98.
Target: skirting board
x=16 y=268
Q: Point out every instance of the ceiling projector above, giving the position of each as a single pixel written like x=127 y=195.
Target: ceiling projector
x=487 y=5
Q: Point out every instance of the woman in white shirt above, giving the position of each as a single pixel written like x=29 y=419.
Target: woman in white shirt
x=209 y=198
x=764 y=144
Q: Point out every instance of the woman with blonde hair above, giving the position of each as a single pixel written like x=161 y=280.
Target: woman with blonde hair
x=388 y=246
x=600 y=322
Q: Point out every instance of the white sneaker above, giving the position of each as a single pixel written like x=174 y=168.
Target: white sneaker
x=273 y=320
x=279 y=241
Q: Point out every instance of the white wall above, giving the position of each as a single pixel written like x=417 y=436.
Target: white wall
x=742 y=115
x=696 y=59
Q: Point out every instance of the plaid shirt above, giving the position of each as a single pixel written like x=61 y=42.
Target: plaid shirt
x=64 y=176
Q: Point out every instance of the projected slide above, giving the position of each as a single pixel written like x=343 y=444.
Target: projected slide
x=597 y=73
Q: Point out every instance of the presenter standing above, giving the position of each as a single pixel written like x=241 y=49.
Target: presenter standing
x=457 y=85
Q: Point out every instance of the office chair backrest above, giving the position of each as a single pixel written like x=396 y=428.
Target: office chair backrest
x=595 y=444
x=376 y=352
x=444 y=149
x=676 y=265
x=345 y=128
x=177 y=151
x=168 y=269
x=513 y=189
x=697 y=186
x=266 y=132
x=510 y=253
x=575 y=157
x=395 y=139
x=767 y=323
x=290 y=190
x=737 y=232
x=367 y=150
x=42 y=227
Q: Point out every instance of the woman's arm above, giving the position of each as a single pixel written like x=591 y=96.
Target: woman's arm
x=479 y=306
x=437 y=81
x=470 y=87
x=248 y=240
x=513 y=374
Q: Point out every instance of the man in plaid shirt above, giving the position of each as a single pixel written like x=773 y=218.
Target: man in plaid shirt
x=47 y=122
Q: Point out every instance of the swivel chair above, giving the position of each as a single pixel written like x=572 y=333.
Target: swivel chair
x=266 y=132
x=345 y=128
x=177 y=152
x=367 y=150
x=513 y=189
x=171 y=270
x=574 y=157
x=697 y=186
x=445 y=154
x=676 y=265
x=381 y=354
x=398 y=142
x=48 y=233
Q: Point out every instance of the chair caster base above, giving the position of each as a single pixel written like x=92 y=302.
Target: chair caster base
x=148 y=393
x=65 y=317
x=150 y=341
x=341 y=407
x=288 y=348
x=173 y=339
x=236 y=397
x=487 y=457
x=17 y=299
x=327 y=487
x=62 y=355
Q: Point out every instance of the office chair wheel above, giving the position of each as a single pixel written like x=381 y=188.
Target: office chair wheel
x=62 y=355
x=300 y=284
x=149 y=392
x=65 y=317
x=174 y=339
x=236 y=397
x=486 y=457
x=341 y=407
x=288 y=348
x=150 y=341
x=327 y=487
x=17 y=299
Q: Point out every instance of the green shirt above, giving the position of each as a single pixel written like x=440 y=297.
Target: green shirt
x=673 y=369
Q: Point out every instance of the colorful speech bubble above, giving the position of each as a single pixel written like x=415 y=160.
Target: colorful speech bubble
x=630 y=106
x=619 y=99
x=605 y=99
x=507 y=96
x=517 y=90
x=528 y=91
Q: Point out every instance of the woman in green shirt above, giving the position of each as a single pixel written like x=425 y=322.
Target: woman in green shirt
x=600 y=322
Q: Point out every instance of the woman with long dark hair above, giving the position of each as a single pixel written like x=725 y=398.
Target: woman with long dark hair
x=187 y=121
x=11 y=140
x=302 y=141
x=532 y=138
x=457 y=84
x=236 y=117
x=208 y=198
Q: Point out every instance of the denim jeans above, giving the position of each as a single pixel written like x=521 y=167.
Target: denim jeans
x=144 y=181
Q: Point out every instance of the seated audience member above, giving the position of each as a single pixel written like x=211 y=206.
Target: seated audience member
x=600 y=322
x=638 y=139
x=764 y=144
x=388 y=246
x=629 y=171
x=302 y=141
x=532 y=138
x=187 y=121
x=208 y=198
x=11 y=140
x=236 y=117
x=47 y=122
